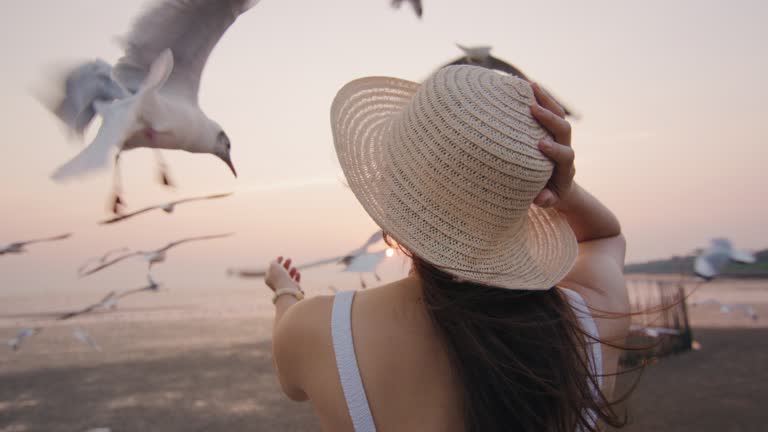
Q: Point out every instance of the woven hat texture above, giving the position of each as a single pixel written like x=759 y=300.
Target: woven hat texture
x=450 y=168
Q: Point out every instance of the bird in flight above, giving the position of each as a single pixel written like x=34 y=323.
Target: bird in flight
x=152 y=257
x=149 y=99
x=168 y=207
x=481 y=56
x=712 y=260
x=106 y=303
x=359 y=260
x=20 y=247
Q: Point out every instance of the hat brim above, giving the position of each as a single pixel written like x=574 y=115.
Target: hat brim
x=536 y=257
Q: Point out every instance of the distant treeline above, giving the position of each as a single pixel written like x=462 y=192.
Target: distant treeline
x=678 y=264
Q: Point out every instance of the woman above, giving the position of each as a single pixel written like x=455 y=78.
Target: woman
x=471 y=174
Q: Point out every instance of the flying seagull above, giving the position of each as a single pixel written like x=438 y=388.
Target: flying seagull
x=359 y=260
x=110 y=300
x=105 y=303
x=168 y=207
x=712 y=260
x=348 y=257
x=366 y=262
x=150 y=97
x=20 y=247
x=481 y=56
x=16 y=342
x=152 y=256
x=415 y=3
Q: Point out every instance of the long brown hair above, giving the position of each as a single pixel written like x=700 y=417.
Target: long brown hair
x=520 y=356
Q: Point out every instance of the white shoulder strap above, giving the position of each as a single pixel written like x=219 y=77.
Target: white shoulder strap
x=346 y=362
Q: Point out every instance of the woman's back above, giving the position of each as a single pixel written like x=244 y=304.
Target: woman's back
x=406 y=371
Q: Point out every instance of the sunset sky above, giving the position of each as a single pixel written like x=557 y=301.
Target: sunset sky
x=673 y=134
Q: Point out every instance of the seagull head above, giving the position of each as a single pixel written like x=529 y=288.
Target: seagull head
x=222 y=150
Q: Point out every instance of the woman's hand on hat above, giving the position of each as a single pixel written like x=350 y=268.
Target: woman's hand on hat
x=551 y=116
x=281 y=274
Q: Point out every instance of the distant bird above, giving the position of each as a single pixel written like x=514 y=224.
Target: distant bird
x=343 y=259
x=83 y=336
x=168 y=207
x=152 y=256
x=654 y=331
x=481 y=56
x=110 y=300
x=150 y=98
x=712 y=260
x=727 y=308
x=16 y=342
x=415 y=3
x=105 y=303
x=20 y=247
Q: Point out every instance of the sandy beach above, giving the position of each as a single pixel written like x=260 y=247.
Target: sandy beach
x=203 y=363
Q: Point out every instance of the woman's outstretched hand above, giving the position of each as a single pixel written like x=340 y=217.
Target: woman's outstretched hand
x=551 y=116
x=281 y=274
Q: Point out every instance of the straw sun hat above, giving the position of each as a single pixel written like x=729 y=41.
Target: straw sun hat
x=450 y=168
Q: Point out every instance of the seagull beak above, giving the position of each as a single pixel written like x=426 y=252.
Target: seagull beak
x=227 y=160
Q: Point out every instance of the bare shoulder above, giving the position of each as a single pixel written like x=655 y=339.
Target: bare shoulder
x=302 y=334
x=598 y=276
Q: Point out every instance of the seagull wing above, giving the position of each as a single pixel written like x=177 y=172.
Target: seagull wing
x=256 y=273
x=201 y=198
x=189 y=28
x=743 y=257
x=319 y=263
x=119 y=123
x=134 y=291
x=374 y=238
x=47 y=239
x=82 y=86
x=109 y=263
x=128 y=215
x=366 y=263
x=191 y=239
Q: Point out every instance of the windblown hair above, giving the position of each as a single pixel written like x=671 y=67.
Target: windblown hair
x=520 y=356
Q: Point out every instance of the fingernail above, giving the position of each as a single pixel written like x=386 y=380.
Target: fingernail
x=545 y=144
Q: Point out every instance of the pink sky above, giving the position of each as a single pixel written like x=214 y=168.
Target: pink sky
x=672 y=135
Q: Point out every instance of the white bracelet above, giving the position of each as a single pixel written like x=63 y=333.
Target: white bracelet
x=296 y=292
